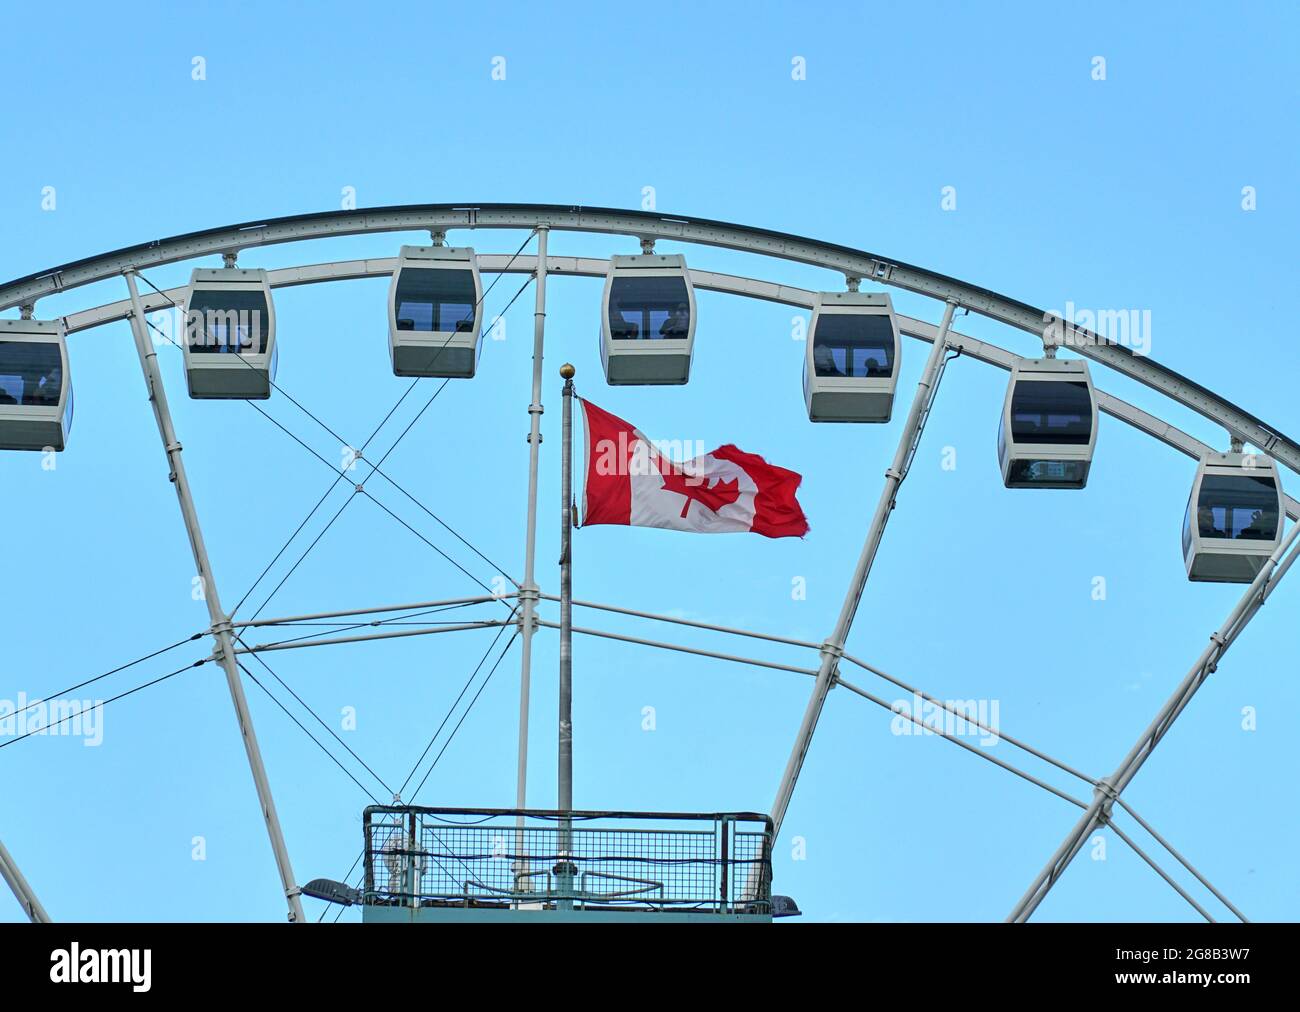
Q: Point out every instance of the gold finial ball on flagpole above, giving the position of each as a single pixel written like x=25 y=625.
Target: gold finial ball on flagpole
x=567 y=371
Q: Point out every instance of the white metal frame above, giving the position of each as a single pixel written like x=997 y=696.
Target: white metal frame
x=649 y=225
x=221 y=630
x=970 y=347
x=833 y=649
x=26 y=897
x=946 y=344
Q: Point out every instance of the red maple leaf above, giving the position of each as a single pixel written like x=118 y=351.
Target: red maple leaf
x=697 y=488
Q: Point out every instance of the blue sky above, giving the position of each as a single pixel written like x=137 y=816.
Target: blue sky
x=1120 y=193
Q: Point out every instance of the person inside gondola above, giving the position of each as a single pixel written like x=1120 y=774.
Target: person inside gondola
x=678 y=324
x=6 y=398
x=33 y=392
x=50 y=386
x=620 y=327
x=1205 y=521
x=824 y=361
x=1254 y=531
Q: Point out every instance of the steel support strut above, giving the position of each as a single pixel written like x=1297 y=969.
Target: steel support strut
x=15 y=880
x=833 y=648
x=221 y=628
x=528 y=591
x=1109 y=789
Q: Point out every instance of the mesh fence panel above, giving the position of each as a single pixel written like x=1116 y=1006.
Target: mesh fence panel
x=647 y=861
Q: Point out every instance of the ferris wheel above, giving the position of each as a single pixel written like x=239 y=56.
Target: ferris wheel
x=426 y=863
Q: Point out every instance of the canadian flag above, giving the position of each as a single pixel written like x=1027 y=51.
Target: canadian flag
x=629 y=482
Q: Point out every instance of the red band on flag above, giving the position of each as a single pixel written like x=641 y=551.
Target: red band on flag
x=777 y=512
x=607 y=496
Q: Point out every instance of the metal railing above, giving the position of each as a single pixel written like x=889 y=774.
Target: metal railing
x=549 y=860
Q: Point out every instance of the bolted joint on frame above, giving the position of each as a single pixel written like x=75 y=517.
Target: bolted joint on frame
x=832 y=650
x=222 y=632
x=831 y=654
x=881 y=270
x=529 y=596
x=1221 y=645
x=1106 y=789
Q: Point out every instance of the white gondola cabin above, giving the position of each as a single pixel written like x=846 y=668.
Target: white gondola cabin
x=229 y=342
x=1233 y=521
x=648 y=320
x=434 y=312
x=852 y=360
x=1048 y=429
x=35 y=385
